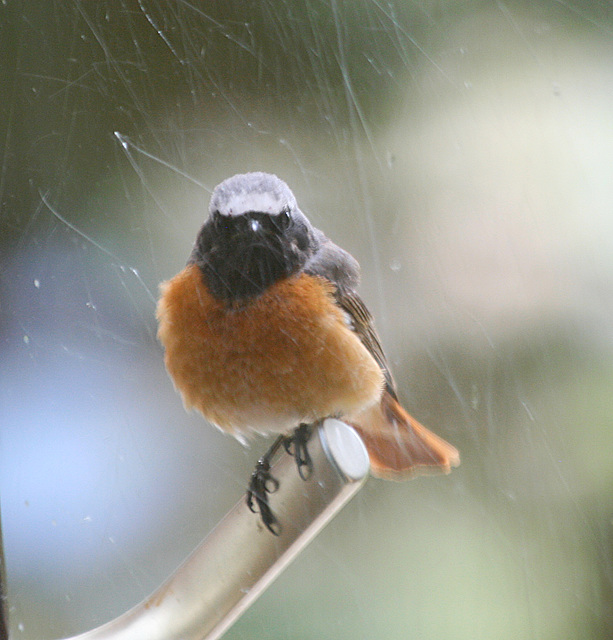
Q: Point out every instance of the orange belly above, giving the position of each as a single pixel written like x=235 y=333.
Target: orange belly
x=284 y=358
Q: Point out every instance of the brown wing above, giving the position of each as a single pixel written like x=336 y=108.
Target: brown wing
x=363 y=325
x=343 y=271
x=399 y=447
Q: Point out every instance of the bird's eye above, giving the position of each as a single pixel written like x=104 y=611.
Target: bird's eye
x=283 y=219
x=217 y=220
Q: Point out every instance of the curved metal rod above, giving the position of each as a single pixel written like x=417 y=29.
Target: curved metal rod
x=240 y=557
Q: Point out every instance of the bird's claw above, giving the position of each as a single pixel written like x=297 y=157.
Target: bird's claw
x=261 y=484
x=296 y=445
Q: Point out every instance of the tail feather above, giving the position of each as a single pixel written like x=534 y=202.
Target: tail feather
x=399 y=447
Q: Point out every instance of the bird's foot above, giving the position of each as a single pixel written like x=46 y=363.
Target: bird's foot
x=296 y=445
x=262 y=481
x=261 y=484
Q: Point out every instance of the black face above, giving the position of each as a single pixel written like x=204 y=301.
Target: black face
x=241 y=256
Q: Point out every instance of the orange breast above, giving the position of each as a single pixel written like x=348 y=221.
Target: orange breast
x=286 y=357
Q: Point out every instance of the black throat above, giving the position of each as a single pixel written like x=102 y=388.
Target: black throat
x=238 y=264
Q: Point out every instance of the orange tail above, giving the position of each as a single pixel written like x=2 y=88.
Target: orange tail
x=398 y=446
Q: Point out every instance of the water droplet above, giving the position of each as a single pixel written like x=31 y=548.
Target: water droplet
x=122 y=140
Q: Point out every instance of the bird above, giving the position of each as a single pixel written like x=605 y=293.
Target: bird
x=264 y=333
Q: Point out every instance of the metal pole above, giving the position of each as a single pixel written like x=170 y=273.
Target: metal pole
x=240 y=557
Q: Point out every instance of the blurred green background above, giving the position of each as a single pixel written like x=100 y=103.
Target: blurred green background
x=462 y=151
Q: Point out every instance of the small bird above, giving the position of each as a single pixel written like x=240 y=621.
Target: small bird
x=264 y=333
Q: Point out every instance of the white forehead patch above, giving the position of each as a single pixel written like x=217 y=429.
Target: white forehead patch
x=245 y=192
x=239 y=203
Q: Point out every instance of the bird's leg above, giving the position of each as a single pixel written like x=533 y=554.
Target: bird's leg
x=262 y=482
x=296 y=445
